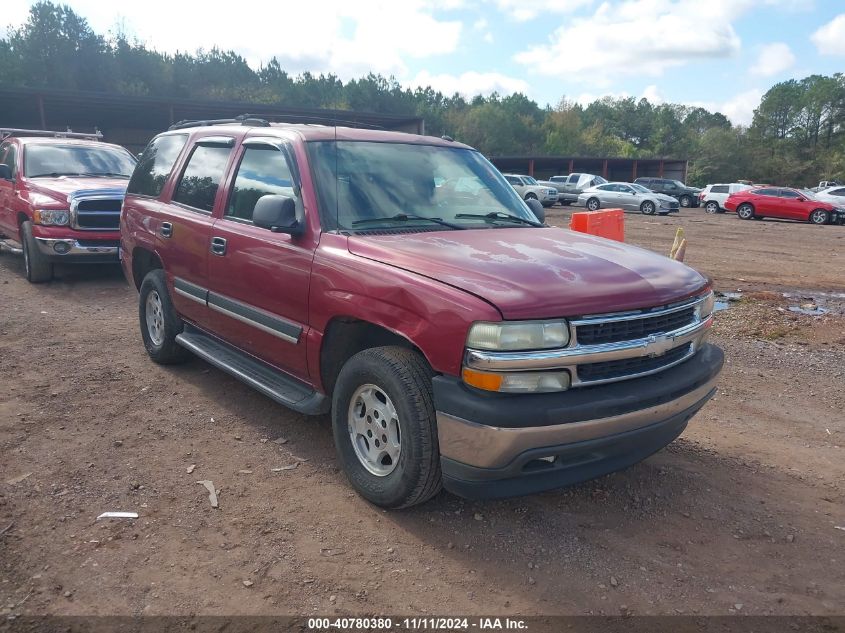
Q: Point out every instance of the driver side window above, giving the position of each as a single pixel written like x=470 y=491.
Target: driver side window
x=263 y=171
x=8 y=155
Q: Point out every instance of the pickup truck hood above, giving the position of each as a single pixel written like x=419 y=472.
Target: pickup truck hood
x=537 y=273
x=60 y=188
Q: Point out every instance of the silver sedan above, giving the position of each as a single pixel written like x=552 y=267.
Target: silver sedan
x=628 y=197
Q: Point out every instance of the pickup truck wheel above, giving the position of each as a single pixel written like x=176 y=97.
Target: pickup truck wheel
x=745 y=212
x=530 y=196
x=159 y=321
x=385 y=428
x=38 y=269
x=820 y=216
x=712 y=207
x=647 y=208
x=685 y=201
x=593 y=204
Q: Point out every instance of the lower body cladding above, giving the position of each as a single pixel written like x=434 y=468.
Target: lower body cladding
x=500 y=445
x=78 y=251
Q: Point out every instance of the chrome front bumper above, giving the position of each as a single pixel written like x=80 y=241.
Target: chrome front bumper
x=47 y=247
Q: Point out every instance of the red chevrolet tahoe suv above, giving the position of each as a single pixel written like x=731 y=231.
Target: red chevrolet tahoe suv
x=60 y=198
x=454 y=338
x=784 y=203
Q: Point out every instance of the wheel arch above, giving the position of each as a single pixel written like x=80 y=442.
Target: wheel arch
x=346 y=336
x=143 y=261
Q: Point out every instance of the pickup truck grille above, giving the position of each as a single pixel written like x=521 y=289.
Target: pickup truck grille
x=96 y=209
x=615 y=331
x=630 y=367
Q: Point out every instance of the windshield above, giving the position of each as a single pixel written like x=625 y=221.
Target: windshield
x=77 y=160
x=530 y=180
x=365 y=186
x=678 y=184
x=639 y=188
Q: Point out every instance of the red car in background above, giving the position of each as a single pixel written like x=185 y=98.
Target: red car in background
x=784 y=203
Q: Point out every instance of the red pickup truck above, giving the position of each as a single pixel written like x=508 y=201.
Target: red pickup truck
x=453 y=337
x=60 y=198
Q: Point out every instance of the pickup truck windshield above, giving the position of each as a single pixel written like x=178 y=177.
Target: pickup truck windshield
x=364 y=186
x=52 y=161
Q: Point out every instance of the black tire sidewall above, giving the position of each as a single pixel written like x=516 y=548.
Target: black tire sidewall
x=169 y=351
x=825 y=221
x=392 y=490
x=708 y=205
x=745 y=206
x=646 y=205
x=688 y=200
x=597 y=204
x=36 y=268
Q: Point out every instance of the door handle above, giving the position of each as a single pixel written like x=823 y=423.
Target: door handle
x=166 y=229
x=218 y=245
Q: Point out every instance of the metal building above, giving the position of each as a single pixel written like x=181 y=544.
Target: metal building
x=619 y=169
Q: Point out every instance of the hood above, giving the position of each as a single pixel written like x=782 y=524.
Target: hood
x=60 y=188
x=537 y=273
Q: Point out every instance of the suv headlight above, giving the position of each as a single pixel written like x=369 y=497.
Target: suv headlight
x=518 y=335
x=54 y=217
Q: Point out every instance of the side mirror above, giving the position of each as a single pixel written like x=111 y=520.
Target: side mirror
x=277 y=213
x=5 y=172
x=537 y=209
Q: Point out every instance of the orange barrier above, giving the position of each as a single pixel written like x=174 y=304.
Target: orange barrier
x=609 y=223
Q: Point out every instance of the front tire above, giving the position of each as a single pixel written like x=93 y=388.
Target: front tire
x=38 y=269
x=593 y=204
x=159 y=322
x=385 y=428
x=820 y=216
x=647 y=208
x=745 y=212
x=685 y=201
x=712 y=207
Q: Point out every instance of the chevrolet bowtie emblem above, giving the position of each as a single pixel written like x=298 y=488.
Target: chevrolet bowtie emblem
x=659 y=344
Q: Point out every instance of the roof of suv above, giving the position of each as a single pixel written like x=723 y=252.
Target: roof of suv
x=324 y=133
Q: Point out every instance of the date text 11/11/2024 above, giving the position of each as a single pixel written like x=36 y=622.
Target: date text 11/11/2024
x=417 y=624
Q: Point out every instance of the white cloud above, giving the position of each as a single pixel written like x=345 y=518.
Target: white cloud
x=524 y=10
x=483 y=26
x=830 y=39
x=470 y=83
x=351 y=38
x=739 y=109
x=653 y=95
x=773 y=59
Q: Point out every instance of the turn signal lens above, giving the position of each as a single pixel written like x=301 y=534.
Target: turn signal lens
x=518 y=382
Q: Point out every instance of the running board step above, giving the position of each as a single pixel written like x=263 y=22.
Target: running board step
x=8 y=245
x=269 y=381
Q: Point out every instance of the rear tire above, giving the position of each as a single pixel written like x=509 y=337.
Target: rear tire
x=390 y=470
x=38 y=268
x=820 y=216
x=647 y=208
x=745 y=211
x=712 y=207
x=593 y=204
x=159 y=322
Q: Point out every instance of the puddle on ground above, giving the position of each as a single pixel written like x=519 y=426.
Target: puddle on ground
x=725 y=299
x=816 y=303
x=810 y=309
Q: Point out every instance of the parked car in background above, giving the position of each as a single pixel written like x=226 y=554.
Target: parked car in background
x=834 y=195
x=455 y=340
x=713 y=197
x=686 y=196
x=571 y=186
x=628 y=197
x=60 y=198
x=530 y=189
x=784 y=203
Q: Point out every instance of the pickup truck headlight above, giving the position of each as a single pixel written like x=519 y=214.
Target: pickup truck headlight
x=518 y=335
x=54 y=217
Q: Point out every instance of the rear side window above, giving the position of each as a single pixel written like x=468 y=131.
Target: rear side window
x=262 y=172
x=199 y=183
x=765 y=192
x=155 y=164
x=719 y=189
x=837 y=192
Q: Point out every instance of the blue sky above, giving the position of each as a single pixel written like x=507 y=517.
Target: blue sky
x=720 y=54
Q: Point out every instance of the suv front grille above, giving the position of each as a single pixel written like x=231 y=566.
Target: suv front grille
x=616 y=331
x=97 y=214
x=631 y=367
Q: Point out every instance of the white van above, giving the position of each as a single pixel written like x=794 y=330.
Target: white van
x=713 y=197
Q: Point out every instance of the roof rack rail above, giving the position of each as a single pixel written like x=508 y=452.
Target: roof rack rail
x=263 y=120
x=6 y=132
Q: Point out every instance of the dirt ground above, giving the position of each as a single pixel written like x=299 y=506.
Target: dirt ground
x=743 y=514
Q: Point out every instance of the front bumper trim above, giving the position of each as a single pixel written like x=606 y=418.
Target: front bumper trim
x=46 y=246
x=485 y=446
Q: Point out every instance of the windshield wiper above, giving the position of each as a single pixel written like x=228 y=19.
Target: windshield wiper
x=55 y=174
x=404 y=217
x=105 y=174
x=498 y=215
x=85 y=174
